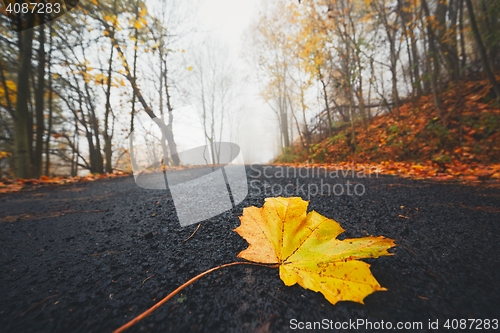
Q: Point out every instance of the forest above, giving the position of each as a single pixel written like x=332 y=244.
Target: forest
x=249 y=165
x=344 y=80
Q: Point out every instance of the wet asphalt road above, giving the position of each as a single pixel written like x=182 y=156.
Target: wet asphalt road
x=88 y=257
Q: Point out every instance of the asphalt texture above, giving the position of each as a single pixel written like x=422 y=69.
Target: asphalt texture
x=88 y=257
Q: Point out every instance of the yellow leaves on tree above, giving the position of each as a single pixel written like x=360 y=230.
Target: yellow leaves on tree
x=5 y=154
x=312 y=39
x=12 y=93
x=100 y=78
x=307 y=249
x=113 y=19
x=137 y=24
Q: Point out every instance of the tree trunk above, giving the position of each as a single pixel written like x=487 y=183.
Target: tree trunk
x=134 y=64
x=412 y=54
x=327 y=106
x=426 y=70
x=172 y=145
x=39 y=101
x=482 y=50
x=284 y=121
x=74 y=153
x=22 y=141
x=49 y=125
x=416 y=65
x=96 y=160
x=463 y=56
x=490 y=22
x=394 y=63
x=165 y=159
x=134 y=77
x=108 y=151
x=452 y=46
x=432 y=57
x=107 y=137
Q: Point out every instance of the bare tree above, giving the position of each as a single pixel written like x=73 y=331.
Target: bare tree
x=211 y=89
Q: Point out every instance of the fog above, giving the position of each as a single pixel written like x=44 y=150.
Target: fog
x=254 y=125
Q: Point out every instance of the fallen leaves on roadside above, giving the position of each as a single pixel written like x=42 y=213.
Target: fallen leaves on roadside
x=454 y=171
x=15 y=185
x=459 y=141
x=307 y=249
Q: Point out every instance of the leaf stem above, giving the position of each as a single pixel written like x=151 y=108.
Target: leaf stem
x=184 y=285
x=198 y=227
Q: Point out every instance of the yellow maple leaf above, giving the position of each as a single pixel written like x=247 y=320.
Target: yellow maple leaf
x=307 y=249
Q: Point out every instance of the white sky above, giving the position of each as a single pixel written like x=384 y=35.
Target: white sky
x=227 y=18
x=256 y=127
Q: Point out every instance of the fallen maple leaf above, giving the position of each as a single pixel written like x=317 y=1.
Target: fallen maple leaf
x=308 y=251
x=305 y=248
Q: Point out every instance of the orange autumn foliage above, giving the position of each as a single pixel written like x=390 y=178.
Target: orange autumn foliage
x=463 y=142
x=15 y=185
